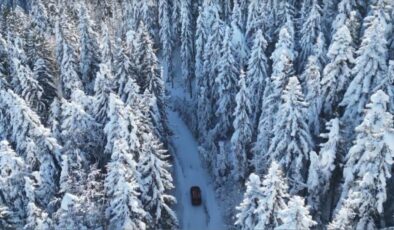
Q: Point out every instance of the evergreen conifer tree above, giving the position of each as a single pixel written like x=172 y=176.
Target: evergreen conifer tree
x=247 y=211
x=274 y=188
x=337 y=73
x=292 y=141
x=367 y=168
x=242 y=135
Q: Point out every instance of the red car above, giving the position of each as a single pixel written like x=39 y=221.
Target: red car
x=195 y=193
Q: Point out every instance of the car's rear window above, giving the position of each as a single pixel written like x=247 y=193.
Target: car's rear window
x=196 y=194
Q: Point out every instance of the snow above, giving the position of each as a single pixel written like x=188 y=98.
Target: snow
x=389 y=140
x=68 y=199
x=189 y=171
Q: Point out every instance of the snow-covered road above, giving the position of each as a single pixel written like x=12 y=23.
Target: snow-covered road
x=189 y=172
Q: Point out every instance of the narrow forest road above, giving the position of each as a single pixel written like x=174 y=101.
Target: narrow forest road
x=189 y=172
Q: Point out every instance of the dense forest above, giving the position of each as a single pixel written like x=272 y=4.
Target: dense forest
x=291 y=103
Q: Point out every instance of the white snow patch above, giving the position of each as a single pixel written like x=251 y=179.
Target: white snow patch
x=68 y=199
x=389 y=139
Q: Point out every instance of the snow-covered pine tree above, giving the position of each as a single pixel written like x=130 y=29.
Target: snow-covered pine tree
x=106 y=46
x=6 y=217
x=93 y=198
x=16 y=49
x=320 y=50
x=329 y=151
x=268 y=20
x=275 y=195
x=242 y=125
x=32 y=45
x=255 y=19
x=51 y=12
x=237 y=17
x=345 y=217
x=166 y=37
x=59 y=40
x=175 y=16
x=117 y=16
x=329 y=12
x=156 y=182
x=17 y=21
x=187 y=45
x=226 y=8
x=312 y=92
x=243 y=4
x=89 y=58
x=36 y=217
x=305 y=10
x=32 y=141
x=296 y=215
x=350 y=16
x=104 y=9
x=103 y=86
x=130 y=11
x=72 y=174
x=322 y=166
x=148 y=14
x=213 y=33
x=54 y=118
x=247 y=217
x=337 y=73
x=282 y=68
x=79 y=130
x=3 y=82
x=156 y=115
x=130 y=94
x=147 y=66
x=123 y=72
x=117 y=124
x=204 y=112
x=257 y=74
x=240 y=46
x=39 y=16
x=84 y=100
x=280 y=13
x=314 y=181
x=292 y=140
x=199 y=43
x=367 y=168
x=389 y=85
x=221 y=166
x=125 y=210
x=264 y=129
x=4 y=70
x=209 y=35
x=309 y=33
x=370 y=68
x=225 y=88
x=40 y=61
x=212 y=50
x=70 y=213
x=27 y=87
x=69 y=76
x=44 y=73
x=12 y=184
